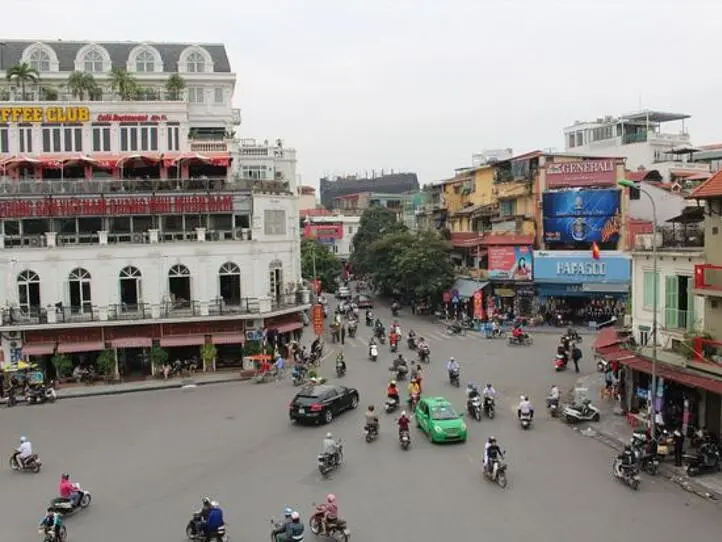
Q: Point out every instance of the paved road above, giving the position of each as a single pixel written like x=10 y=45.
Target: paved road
x=148 y=458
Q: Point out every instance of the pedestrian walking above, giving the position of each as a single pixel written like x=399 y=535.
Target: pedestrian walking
x=343 y=333
x=576 y=356
x=678 y=438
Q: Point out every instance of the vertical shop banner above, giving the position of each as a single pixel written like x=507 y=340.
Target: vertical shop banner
x=510 y=263
x=478 y=306
x=581 y=216
x=317 y=318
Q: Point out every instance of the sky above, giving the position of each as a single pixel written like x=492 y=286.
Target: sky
x=420 y=85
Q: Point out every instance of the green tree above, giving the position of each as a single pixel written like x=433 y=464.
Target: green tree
x=82 y=84
x=22 y=74
x=209 y=352
x=63 y=365
x=49 y=94
x=328 y=266
x=174 y=86
x=417 y=265
x=123 y=84
x=106 y=363
x=375 y=222
x=158 y=358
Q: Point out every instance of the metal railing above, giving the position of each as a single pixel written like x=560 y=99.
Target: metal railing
x=126 y=311
x=244 y=305
x=180 y=309
x=77 y=313
x=678 y=319
x=137 y=238
x=708 y=277
x=21 y=316
x=283 y=301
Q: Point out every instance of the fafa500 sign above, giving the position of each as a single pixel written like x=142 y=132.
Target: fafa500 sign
x=598 y=172
x=51 y=115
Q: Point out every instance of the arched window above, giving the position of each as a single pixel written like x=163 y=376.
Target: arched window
x=179 y=286
x=145 y=62
x=28 y=291
x=276 y=280
x=80 y=298
x=229 y=281
x=195 y=63
x=40 y=60
x=130 y=291
x=93 y=61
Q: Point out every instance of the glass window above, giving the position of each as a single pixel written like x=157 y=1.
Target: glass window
x=93 y=61
x=218 y=93
x=571 y=140
x=648 y=289
x=145 y=62
x=40 y=60
x=144 y=138
x=78 y=136
x=153 y=138
x=195 y=63
x=56 y=139
x=133 y=132
x=68 y=139
x=25 y=139
x=507 y=207
x=196 y=95
x=46 y=140
x=274 y=222
x=124 y=139
x=4 y=140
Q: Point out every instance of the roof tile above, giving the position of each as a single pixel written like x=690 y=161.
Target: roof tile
x=711 y=188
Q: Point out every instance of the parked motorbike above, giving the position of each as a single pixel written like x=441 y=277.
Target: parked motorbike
x=524 y=340
x=328 y=463
x=31 y=463
x=497 y=473
x=584 y=412
x=65 y=507
x=629 y=476
x=12 y=399
x=404 y=440
x=474 y=408
x=456 y=329
x=371 y=432
x=489 y=407
x=707 y=460
x=553 y=406
x=390 y=405
x=454 y=378
x=337 y=530
x=560 y=363
x=602 y=365
x=411 y=343
x=525 y=420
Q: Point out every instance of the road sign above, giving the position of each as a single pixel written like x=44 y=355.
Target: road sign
x=317 y=318
x=447 y=297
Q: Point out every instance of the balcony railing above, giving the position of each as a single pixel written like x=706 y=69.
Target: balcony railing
x=126 y=311
x=121 y=187
x=707 y=351
x=24 y=316
x=284 y=301
x=221 y=307
x=678 y=319
x=208 y=146
x=639 y=137
x=708 y=277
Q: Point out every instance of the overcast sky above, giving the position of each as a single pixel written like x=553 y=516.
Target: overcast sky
x=419 y=85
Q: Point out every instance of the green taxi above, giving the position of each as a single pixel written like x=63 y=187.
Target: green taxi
x=436 y=417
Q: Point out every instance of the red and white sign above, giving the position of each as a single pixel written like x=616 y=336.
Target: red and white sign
x=323 y=231
x=600 y=172
x=143 y=205
x=112 y=117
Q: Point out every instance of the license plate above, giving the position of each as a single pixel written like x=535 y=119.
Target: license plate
x=301 y=411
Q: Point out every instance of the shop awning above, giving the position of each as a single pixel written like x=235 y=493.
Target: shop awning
x=91 y=346
x=137 y=160
x=38 y=349
x=21 y=160
x=465 y=288
x=183 y=340
x=221 y=159
x=289 y=326
x=132 y=342
x=606 y=337
x=681 y=376
x=229 y=338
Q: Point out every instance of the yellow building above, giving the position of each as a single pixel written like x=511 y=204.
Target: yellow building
x=469 y=199
x=514 y=190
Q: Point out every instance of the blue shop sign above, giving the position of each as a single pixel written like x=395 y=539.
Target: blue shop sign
x=578 y=267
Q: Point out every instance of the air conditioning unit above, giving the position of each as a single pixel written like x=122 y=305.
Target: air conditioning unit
x=254 y=324
x=14 y=345
x=137 y=238
x=13 y=335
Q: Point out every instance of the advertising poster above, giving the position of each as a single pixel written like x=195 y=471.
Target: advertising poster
x=510 y=263
x=582 y=173
x=581 y=216
x=478 y=306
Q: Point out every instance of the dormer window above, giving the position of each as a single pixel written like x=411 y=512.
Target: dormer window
x=195 y=63
x=145 y=62
x=93 y=62
x=39 y=60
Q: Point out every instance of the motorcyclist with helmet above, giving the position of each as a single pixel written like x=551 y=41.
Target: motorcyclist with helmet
x=403 y=422
x=293 y=529
x=329 y=509
x=414 y=390
x=489 y=394
x=525 y=407
x=281 y=527
x=214 y=521
x=392 y=392
x=69 y=491
x=627 y=461
x=23 y=452
x=371 y=420
x=341 y=362
x=492 y=453
x=52 y=520
x=453 y=368
x=330 y=448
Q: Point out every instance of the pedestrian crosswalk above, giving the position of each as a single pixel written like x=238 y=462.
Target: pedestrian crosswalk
x=431 y=336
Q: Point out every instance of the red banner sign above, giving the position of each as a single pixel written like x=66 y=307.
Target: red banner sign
x=317 y=318
x=582 y=173
x=145 y=205
x=323 y=231
x=478 y=306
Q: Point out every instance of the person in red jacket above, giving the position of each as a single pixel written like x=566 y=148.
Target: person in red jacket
x=68 y=490
x=403 y=423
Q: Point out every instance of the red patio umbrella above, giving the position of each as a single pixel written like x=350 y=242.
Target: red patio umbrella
x=131 y=161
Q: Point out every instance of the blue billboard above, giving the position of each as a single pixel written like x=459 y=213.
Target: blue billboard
x=581 y=216
x=578 y=266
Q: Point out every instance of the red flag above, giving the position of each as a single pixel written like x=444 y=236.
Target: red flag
x=596 y=253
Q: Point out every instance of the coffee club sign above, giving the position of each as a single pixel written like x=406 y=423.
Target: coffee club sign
x=591 y=172
x=70 y=114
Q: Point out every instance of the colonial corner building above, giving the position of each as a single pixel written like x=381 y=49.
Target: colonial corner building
x=143 y=219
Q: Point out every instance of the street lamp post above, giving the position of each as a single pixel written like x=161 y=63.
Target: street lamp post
x=653 y=386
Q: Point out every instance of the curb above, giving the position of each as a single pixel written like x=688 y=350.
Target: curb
x=665 y=470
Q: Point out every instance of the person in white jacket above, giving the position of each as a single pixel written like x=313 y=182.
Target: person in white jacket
x=525 y=407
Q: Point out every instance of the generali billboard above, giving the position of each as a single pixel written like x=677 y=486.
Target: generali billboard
x=591 y=172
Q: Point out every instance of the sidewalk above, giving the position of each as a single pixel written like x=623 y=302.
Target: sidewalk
x=614 y=431
x=71 y=391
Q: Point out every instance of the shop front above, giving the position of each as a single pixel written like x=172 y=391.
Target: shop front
x=573 y=286
x=511 y=276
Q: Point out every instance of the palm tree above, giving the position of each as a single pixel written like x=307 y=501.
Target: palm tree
x=175 y=85
x=22 y=74
x=82 y=83
x=124 y=84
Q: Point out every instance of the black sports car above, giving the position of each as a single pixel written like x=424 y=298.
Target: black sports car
x=320 y=403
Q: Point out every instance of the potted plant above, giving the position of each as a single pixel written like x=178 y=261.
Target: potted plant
x=63 y=366
x=158 y=358
x=208 y=356
x=107 y=365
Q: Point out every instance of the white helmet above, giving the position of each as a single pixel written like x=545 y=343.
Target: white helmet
x=329 y=435
x=214 y=504
x=23 y=439
x=403 y=413
x=521 y=398
x=452 y=358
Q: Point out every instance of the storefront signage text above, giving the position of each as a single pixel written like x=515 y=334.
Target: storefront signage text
x=112 y=117
x=581 y=268
x=44 y=114
x=581 y=173
x=147 y=205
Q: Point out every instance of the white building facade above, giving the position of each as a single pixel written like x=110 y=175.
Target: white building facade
x=334 y=231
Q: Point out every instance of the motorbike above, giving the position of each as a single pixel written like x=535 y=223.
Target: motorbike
x=394 y=311
x=369 y=319
x=411 y=343
x=602 y=365
x=337 y=530
x=454 y=378
x=497 y=473
x=474 y=408
x=65 y=507
x=352 y=328
x=371 y=432
x=298 y=375
x=327 y=463
x=373 y=354
x=489 y=407
x=553 y=406
x=524 y=340
x=31 y=464
x=394 y=346
x=404 y=440
x=12 y=399
x=413 y=401
x=390 y=405
x=497 y=333
x=628 y=476
x=340 y=368
x=425 y=355
x=48 y=534
x=194 y=530
x=456 y=329
x=584 y=412
x=560 y=363
x=706 y=460
x=401 y=372
x=525 y=420
x=648 y=462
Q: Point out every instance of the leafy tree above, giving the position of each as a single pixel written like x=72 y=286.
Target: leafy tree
x=82 y=84
x=63 y=365
x=49 y=94
x=209 y=352
x=417 y=265
x=23 y=74
x=174 y=86
x=328 y=266
x=106 y=363
x=375 y=222
x=124 y=84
